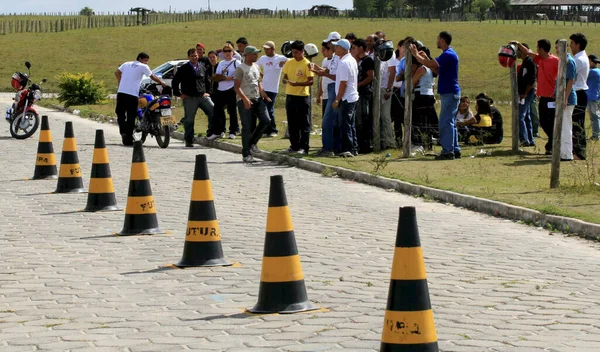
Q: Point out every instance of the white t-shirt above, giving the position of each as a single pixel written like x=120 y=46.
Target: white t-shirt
x=583 y=69
x=347 y=70
x=227 y=69
x=325 y=80
x=131 y=78
x=333 y=64
x=271 y=71
x=385 y=72
x=236 y=56
x=393 y=62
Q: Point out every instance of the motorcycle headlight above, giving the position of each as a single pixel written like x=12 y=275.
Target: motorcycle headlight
x=37 y=94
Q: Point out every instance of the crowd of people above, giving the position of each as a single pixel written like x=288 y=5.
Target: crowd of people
x=239 y=82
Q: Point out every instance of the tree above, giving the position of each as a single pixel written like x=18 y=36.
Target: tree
x=502 y=5
x=443 y=5
x=86 y=11
x=363 y=8
x=382 y=7
x=481 y=7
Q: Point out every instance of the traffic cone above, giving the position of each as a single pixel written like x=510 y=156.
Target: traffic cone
x=69 y=175
x=101 y=196
x=282 y=288
x=45 y=163
x=202 y=239
x=408 y=323
x=140 y=213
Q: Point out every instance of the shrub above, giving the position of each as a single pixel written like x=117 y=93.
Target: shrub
x=79 y=89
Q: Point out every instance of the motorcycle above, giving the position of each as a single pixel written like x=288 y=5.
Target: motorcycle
x=155 y=117
x=22 y=117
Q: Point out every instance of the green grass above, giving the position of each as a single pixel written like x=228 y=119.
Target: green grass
x=521 y=179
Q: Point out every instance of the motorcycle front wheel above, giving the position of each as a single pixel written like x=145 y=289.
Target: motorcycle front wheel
x=24 y=126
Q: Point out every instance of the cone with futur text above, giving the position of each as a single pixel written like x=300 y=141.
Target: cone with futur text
x=70 y=178
x=101 y=196
x=45 y=162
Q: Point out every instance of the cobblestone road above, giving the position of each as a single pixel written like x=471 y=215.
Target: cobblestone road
x=66 y=283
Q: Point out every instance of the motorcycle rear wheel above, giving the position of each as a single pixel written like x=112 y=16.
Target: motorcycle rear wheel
x=163 y=137
x=32 y=125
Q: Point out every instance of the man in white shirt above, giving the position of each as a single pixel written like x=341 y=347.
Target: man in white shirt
x=578 y=45
x=129 y=75
x=271 y=65
x=346 y=96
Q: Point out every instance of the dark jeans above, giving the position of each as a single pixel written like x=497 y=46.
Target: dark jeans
x=126 y=111
x=298 y=116
x=249 y=136
x=547 y=120
x=398 y=115
x=347 y=127
x=190 y=107
x=579 y=142
x=535 y=117
x=224 y=99
x=364 y=124
x=271 y=110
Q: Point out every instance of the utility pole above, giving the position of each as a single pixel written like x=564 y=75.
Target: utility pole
x=208 y=5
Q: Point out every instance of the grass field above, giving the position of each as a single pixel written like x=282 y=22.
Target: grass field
x=517 y=179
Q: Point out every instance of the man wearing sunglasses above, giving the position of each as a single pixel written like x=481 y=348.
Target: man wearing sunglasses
x=190 y=84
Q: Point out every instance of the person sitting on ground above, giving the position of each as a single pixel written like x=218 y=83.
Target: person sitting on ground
x=480 y=125
x=497 y=134
x=463 y=114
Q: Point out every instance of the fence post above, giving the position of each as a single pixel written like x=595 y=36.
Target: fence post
x=514 y=87
x=560 y=107
x=377 y=106
x=408 y=95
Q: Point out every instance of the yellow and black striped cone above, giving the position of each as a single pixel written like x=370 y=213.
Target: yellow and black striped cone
x=408 y=323
x=45 y=162
x=203 y=238
x=140 y=213
x=282 y=288
x=69 y=175
x=101 y=196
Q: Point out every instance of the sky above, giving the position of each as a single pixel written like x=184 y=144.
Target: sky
x=40 y=6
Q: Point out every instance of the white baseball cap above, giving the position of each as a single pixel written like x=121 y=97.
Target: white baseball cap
x=333 y=36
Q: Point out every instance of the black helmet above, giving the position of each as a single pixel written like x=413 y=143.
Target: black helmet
x=286 y=49
x=385 y=50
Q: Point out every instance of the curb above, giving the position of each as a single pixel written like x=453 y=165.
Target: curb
x=560 y=223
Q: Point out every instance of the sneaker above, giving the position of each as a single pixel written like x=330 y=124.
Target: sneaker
x=301 y=152
x=346 y=155
x=248 y=159
x=254 y=149
x=189 y=144
x=273 y=134
x=127 y=140
x=457 y=155
x=222 y=135
x=212 y=137
x=325 y=153
x=288 y=151
x=445 y=156
x=231 y=136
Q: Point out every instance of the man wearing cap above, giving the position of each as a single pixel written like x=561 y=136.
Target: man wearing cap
x=329 y=137
x=593 y=95
x=298 y=78
x=346 y=96
x=250 y=102
x=271 y=65
x=526 y=77
x=194 y=81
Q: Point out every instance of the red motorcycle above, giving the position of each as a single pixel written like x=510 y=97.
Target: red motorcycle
x=24 y=120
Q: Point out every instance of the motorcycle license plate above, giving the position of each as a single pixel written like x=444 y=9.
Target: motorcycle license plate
x=168 y=120
x=166 y=112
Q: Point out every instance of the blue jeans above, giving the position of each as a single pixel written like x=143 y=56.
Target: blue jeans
x=346 y=120
x=525 y=125
x=594 y=110
x=250 y=137
x=448 y=133
x=190 y=107
x=328 y=136
x=271 y=110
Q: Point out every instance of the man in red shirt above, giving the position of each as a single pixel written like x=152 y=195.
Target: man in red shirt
x=547 y=65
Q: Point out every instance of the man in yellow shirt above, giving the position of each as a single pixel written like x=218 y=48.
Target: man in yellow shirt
x=298 y=78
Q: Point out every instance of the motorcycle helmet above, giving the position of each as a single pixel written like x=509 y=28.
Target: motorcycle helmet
x=19 y=80
x=311 y=50
x=286 y=49
x=385 y=50
x=507 y=55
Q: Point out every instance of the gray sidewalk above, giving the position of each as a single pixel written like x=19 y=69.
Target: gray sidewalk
x=67 y=283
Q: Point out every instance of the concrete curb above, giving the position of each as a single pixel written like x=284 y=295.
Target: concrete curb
x=560 y=223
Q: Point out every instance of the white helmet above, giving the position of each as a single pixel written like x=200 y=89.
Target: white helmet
x=311 y=50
